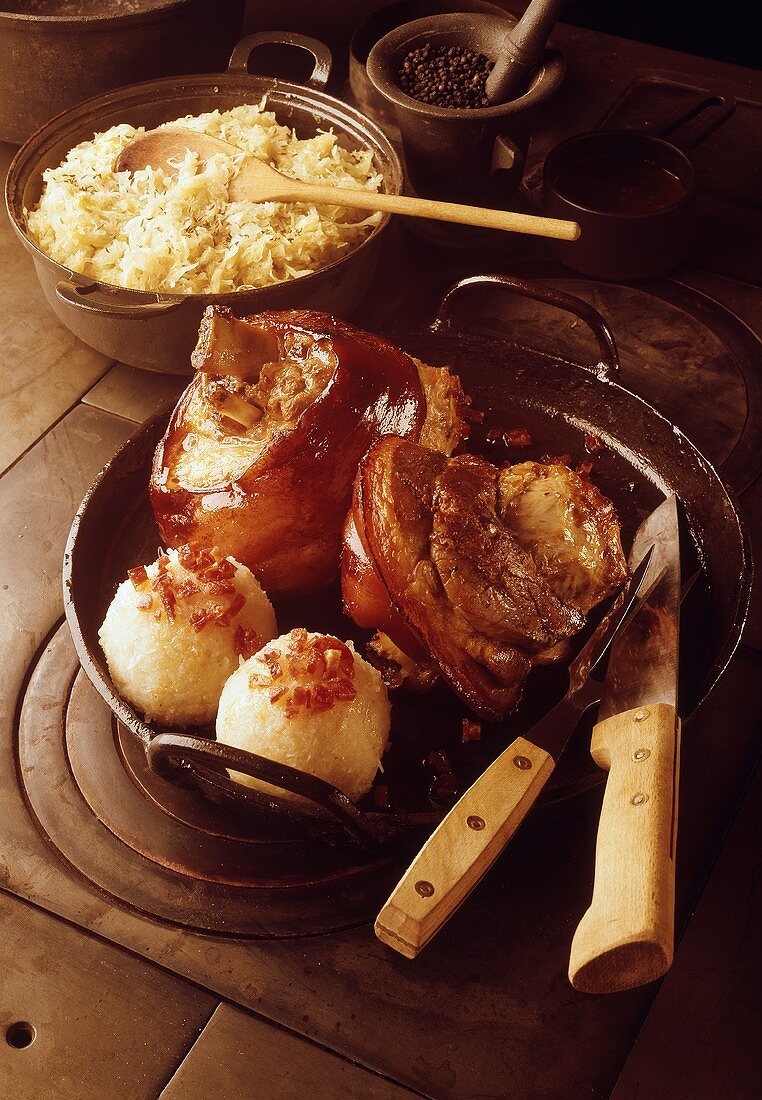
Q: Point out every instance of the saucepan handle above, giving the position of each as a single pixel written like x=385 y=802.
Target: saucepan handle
x=692 y=125
x=96 y=298
x=607 y=368
x=169 y=753
x=684 y=123
x=318 y=78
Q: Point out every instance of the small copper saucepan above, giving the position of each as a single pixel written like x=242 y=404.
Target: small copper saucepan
x=633 y=194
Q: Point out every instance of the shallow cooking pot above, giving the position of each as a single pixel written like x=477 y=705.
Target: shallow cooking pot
x=49 y=62
x=158 y=331
x=632 y=241
x=560 y=402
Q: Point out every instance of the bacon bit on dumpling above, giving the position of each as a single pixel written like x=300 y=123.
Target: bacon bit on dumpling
x=230 y=612
x=319 y=672
x=195 y=559
x=272 y=661
x=200 y=619
x=212 y=574
x=138 y=575
x=247 y=642
x=164 y=586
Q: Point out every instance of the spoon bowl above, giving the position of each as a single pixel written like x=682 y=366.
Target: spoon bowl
x=255 y=180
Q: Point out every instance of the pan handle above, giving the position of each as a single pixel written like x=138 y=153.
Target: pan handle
x=688 y=126
x=169 y=752
x=607 y=368
x=318 y=78
x=96 y=298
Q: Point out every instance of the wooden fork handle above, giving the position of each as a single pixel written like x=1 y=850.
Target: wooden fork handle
x=463 y=847
x=510 y=220
x=626 y=937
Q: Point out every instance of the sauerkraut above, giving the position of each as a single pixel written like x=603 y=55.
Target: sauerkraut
x=155 y=231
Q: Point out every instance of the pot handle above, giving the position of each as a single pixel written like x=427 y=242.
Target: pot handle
x=95 y=298
x=318 y=78
x=169 y=752
x=684 y=125
x=607 y=368
x=694 y=125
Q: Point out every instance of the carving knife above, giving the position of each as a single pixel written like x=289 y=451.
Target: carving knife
x=626 y=937
x=469 y=839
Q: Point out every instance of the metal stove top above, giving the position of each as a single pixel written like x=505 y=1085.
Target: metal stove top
x=87 y=837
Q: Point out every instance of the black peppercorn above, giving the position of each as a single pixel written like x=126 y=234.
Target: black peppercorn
x=453 y=76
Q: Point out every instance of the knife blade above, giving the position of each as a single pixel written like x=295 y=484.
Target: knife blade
x=474 y=832
x=626 y=937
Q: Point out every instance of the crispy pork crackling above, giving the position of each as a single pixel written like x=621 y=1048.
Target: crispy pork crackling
x=262 y=449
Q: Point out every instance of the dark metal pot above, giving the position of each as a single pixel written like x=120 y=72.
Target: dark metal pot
x=474 y=156
x=632 y=242
x=560 y=402
x=50 y=62
x=627 y=244
x=158 y=331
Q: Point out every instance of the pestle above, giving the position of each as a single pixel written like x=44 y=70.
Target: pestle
x=522 y=50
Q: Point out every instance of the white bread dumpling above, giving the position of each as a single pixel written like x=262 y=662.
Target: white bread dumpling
x=309 y=701
x=176 y=629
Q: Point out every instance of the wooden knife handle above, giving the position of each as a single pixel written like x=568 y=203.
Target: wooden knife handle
x=463 y=847
x=626 y=937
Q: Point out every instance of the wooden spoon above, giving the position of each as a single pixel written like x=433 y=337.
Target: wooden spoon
x=256 y=181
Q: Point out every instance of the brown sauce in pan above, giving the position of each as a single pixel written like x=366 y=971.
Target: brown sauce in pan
x=619 y=185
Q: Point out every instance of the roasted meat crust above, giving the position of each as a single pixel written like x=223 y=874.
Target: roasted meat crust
x=365 y=597
x=455 y=575
x=262 y=449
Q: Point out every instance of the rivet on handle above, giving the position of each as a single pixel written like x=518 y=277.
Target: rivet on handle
x=475 y=822
x=425 y=889
x=642 y=715
x=522 y=762
x=641 y=754
x=639 y=799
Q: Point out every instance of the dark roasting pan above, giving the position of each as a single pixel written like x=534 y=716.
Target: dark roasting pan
x=561 y=403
